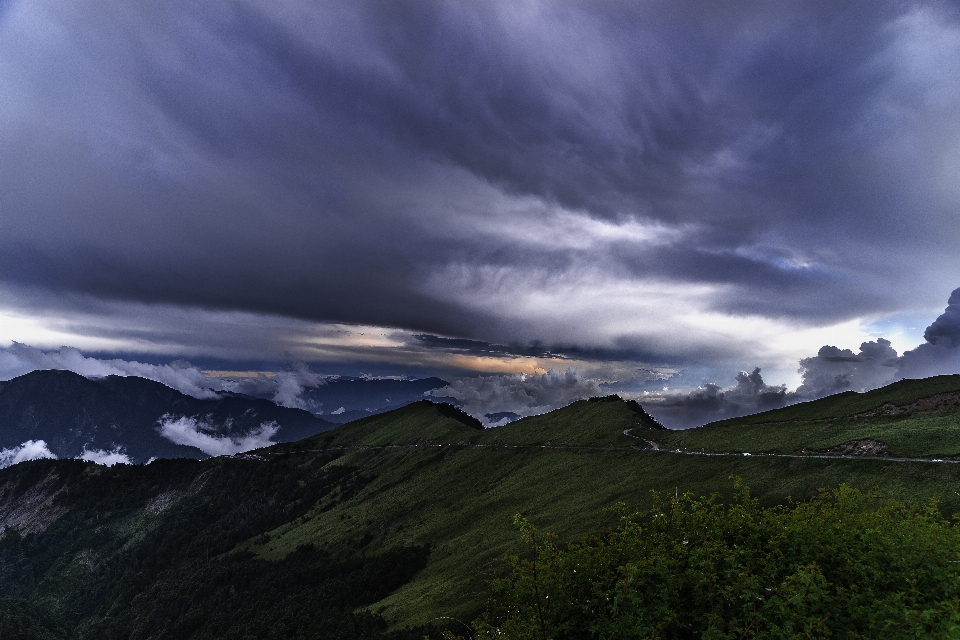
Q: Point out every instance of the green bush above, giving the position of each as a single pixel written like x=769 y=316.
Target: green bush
x=845 y=564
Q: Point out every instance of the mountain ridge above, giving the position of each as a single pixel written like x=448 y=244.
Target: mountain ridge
x=73 y=414
x=417 y=493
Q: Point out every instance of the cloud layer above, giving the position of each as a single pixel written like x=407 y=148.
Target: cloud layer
x=284 y=387
x=650 y=181
x=832 y=370
x=19 y=359
x=37 y=450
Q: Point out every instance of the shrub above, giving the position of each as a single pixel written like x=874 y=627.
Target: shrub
x=845 y=564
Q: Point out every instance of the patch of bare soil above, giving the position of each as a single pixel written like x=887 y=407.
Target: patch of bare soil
x=940 y=403
x=865 y=447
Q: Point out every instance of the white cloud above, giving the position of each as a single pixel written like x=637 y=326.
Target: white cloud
x=106 y=458
x=193 y=433
x=29 y=450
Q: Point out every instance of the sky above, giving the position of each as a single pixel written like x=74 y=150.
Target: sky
x=531 y=200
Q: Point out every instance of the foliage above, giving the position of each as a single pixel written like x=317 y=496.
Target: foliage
x=161 y=532
x=20 y=620
x=844 y=564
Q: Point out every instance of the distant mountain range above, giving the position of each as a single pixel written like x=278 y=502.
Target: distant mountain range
x=138 y=418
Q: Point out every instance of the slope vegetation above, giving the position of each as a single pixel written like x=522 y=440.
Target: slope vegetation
x=910 y=418
x=390 y=522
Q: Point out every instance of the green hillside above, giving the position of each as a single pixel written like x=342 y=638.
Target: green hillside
x=851 y=403
x=576 y=460
x=307 y=534
x=910 y=418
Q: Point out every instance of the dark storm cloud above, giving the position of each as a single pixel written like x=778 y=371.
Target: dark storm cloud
x=834 y=370
x=711 y=402
x=940 y=353
x=518 y=395
x=360 y=162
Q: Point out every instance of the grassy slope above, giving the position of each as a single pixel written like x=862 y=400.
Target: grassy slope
x=837 y=419
x=423 y=475
x=933 y=436
x=461 y=498
x=850 y=403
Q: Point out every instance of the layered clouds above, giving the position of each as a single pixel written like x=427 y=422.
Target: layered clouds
x=660 y=184
x=19 y=359
x=106 y=458
x=710 y=401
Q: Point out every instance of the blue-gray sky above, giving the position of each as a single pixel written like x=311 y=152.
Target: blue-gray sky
x=636 y=190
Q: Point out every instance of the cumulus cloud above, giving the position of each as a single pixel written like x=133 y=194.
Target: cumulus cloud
x=940 y=353
x=29 y=450
x=106 y=458
x=834 y=370
x=520 y=394
x=711 y=402
x=196 y=433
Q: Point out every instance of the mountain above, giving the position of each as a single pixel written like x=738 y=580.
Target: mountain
x=396 y=521
x=73 y=414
